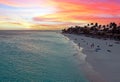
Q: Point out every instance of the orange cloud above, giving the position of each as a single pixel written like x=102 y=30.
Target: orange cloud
x=47 y=27
x=57 y=14
x=88 y=9
x=75 y=11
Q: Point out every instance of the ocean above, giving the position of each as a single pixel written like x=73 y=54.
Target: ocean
x=38 y=56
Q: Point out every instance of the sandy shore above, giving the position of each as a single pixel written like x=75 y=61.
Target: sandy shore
x=102 y=58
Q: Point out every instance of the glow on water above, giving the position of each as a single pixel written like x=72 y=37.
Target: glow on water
x=29 y=56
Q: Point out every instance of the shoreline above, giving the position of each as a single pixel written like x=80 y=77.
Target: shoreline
x=94 y=67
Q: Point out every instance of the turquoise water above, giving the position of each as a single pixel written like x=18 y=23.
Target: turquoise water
x=29 y=56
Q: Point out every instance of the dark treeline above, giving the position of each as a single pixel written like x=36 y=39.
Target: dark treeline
x=111 y=30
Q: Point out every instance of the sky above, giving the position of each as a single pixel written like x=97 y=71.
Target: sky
x=56 y=14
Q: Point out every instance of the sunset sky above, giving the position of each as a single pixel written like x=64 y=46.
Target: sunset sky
x=56 y=14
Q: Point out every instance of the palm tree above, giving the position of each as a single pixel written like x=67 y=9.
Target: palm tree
x=88 y=25
x=96 y=24
x=91 y=23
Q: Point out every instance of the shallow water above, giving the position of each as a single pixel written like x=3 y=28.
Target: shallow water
x=33 y=56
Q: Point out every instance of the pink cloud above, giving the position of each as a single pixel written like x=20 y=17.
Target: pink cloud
x=24 y=3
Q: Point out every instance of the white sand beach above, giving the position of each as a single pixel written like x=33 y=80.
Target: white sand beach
x=102 y=58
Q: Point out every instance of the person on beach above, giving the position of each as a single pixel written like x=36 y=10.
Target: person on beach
x=98 y=48
x=92 y=45
x=110 y=45
x=75 y=39
x=79 y=45
x=87 y=43
x=106 y=43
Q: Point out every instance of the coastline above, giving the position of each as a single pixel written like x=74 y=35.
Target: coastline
x=96 y=65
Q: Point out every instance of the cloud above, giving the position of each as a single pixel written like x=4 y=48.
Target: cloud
x=55 y=14
x=46 y=27
x=43 y=19
x=12 y=26
x=86 y=8
x=82 y=11
x=24 y=3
